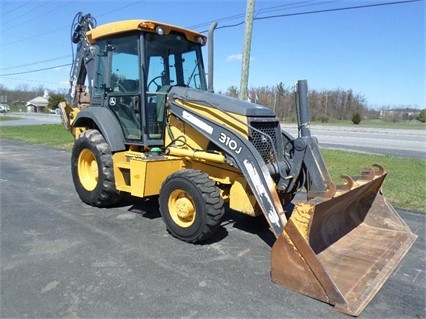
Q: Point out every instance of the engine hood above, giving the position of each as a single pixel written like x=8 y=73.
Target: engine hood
x=222 y=102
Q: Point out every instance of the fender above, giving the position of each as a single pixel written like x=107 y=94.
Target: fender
x=106 y=123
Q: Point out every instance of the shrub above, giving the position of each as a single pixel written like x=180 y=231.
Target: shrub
x=422 y=116
x=54 y=100
x=324 y=119
x=356 y=118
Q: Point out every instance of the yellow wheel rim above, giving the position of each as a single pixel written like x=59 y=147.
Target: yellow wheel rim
x=88 y=169
x=181 y=208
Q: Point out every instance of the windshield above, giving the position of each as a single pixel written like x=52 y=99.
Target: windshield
x=170 y=60
x=173 y=60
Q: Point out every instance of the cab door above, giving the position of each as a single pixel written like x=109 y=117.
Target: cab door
x=117 y=83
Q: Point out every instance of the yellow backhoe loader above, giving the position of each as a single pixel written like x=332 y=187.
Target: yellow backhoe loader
x=147 y=123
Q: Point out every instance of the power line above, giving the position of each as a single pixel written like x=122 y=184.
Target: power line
x=34 y=63
x=14 y=9
x=295 y=5
x=36 y=36
x=256 y=18
x=35 y=81
x=336 y=9
x=38 y=70
x=121 y=8
x=28 y=12
x=315 y=12
x=286 y=6
x=56 y=29
x=20 y=23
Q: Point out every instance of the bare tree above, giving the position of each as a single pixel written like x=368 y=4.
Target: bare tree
x=232 y=91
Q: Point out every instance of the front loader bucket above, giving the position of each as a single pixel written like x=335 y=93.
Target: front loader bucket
x=342 y=250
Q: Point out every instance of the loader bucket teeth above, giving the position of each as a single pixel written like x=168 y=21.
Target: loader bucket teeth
x=331 y=189
x=342 y=250
x=348 y=185
x=368 y=173
x=380 y=170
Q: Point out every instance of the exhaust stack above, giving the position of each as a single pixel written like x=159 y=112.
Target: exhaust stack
x=211 y=57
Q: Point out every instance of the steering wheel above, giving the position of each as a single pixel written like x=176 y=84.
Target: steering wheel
x=117 y=84
x=154 y=81
x=121 y=87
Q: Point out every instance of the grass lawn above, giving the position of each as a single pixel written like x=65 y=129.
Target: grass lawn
x=404 y=186
x=54 y=135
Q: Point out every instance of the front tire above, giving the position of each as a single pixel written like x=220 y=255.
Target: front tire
x=191 y=205
x=92 y=170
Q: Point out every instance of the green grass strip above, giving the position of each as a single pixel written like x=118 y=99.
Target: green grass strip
x=404 y=186
x=53 y=135
x=8 y=118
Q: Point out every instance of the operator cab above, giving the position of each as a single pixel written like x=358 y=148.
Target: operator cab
x=134 y=72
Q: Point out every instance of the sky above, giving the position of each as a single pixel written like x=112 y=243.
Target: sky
x=376 y=48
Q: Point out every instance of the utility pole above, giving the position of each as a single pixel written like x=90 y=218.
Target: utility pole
x=246 y=50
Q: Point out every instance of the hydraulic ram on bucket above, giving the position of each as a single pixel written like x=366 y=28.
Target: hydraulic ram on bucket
x=344 y=243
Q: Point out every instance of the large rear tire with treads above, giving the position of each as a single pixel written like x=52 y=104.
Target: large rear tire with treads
x=92 y=170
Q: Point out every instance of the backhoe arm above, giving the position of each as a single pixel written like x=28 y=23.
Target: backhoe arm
x=83 y=64
x=82 y=71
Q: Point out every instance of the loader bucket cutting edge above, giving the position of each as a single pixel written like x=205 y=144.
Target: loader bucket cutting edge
x=341 y=250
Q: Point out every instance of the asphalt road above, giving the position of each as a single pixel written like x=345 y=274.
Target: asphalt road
x=63 y=259
x=408 y=143
x=30 y=119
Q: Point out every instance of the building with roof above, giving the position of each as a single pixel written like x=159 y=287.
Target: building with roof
x=38 y=104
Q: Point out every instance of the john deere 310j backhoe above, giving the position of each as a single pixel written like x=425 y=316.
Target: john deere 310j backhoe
x=146 y=123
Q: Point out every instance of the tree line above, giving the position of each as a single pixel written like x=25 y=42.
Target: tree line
x=324 y=105
x=23 y=93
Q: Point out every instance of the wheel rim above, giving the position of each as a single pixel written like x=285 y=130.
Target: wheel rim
x=181 y=208
x=88 y=169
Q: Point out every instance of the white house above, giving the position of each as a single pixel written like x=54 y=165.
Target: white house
x=38 y=104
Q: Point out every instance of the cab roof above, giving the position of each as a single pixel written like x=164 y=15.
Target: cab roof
x=125 y=26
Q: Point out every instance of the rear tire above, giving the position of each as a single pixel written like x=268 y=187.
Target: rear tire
x=92 y=170
x=191 y=205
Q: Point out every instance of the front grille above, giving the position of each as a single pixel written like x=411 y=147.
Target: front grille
x=261 y=142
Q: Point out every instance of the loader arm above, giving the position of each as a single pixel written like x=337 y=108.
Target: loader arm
x=307 y=156
x=244 y=156
x=307 y=159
